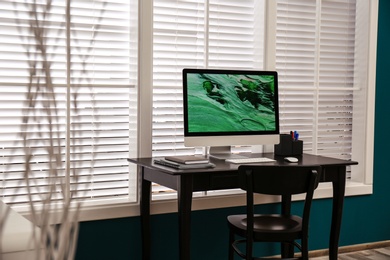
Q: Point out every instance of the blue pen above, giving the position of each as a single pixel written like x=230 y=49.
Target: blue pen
x=296 y=135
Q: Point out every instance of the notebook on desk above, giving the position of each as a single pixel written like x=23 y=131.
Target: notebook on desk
x=187 y=159
x=182 y=166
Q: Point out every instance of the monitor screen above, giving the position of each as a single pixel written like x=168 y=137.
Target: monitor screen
x=230 y=107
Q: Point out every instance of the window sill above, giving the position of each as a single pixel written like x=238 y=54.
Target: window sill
x=123 y=208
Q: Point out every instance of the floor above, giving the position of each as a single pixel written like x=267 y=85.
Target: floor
x=382 y=253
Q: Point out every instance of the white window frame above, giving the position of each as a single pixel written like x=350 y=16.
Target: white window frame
x=363 y=184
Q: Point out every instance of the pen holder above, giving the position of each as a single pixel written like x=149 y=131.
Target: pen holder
x=287 y=146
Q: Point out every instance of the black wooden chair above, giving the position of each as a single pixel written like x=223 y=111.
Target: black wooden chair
x=282 y=227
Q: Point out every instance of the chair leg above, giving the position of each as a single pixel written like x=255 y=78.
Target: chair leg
x=231 y=240
x=305 y=249
x=249 y=248
x=287 y=250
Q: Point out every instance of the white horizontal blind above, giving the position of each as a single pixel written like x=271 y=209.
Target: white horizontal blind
x=104 y=133
x=103 y=119
x=235 y=34
x=197 y=34
x=178 y=42
x=315 y=60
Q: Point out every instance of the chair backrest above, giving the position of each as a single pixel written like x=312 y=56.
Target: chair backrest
x=279 y=180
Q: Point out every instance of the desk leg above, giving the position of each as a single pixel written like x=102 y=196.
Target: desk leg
x=287 y=249
x=184 y=207
x=145 y=217
x=337 y=212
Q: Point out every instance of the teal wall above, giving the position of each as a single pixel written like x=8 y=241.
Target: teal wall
x=365 y=219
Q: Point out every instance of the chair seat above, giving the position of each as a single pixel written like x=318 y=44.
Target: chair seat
x=271 y=227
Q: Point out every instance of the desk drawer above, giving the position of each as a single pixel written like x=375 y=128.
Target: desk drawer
x=220 y=181
x=223 y=181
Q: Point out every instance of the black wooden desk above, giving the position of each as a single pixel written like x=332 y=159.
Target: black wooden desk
x=224 y=176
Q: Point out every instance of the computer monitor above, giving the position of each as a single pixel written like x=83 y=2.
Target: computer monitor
x=223 y=108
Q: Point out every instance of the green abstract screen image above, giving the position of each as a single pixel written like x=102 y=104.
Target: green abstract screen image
x=230 y=103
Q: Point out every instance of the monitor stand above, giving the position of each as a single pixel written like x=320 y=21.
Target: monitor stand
x=223 y=153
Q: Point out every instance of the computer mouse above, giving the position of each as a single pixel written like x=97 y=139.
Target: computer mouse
x=291 y=159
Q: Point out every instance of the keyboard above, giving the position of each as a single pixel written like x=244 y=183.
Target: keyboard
x=250 y=160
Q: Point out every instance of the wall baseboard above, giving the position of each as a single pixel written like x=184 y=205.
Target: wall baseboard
x=351 y=248
x=346 y=249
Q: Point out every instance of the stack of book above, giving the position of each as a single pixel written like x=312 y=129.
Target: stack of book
x=185 y=162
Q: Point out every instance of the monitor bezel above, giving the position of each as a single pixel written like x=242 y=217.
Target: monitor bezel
x=269 y=133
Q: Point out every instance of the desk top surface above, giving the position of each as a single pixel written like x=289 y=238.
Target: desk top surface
x=222 y=166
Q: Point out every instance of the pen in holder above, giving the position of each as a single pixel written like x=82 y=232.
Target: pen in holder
x=288 y=146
